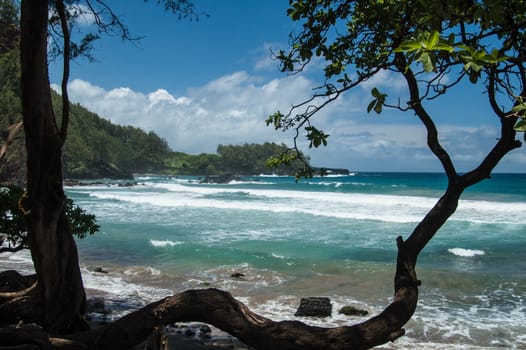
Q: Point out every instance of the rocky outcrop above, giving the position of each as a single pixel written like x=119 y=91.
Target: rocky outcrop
x=219 y=179
x=331 y=171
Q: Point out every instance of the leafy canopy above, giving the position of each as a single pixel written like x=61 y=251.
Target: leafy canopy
x=435 y=44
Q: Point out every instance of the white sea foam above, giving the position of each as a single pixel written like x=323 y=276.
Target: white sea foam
x=378 y=207
x=468 y=253
x=163 y=243
x=20 y=261
x=114 y=283
x=359 y=206
x=141 y=270
x=340 y=205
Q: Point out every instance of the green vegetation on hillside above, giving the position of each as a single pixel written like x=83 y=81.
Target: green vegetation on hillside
x=96 y=148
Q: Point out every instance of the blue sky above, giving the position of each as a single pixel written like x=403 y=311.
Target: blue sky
x=208 y=82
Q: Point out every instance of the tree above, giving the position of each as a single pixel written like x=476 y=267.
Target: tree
x=58 y=301
x=435 y=46
x=423 y=41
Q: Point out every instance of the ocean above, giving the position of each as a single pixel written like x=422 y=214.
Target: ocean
x=329 y=236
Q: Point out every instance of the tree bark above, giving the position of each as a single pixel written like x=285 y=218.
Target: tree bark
x=52 y=246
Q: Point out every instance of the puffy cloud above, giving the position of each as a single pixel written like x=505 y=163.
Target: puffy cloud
x=385 y=79
x=232 y=110
x=229 y=110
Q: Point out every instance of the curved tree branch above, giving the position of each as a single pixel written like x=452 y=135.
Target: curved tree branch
x=220 y=309
x=415 y=102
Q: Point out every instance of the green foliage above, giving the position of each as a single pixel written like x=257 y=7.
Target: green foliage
x=275 y=119
x=519 y=110
x=9 y=25
x=179 y=163
x=424 y=47
x=13 y=229
x=82 y=223
x=316 y=137
x=378 y=102
x=97 y=148
x=10 y=103
x=252 y=159
x=9 y=63
x=12 y=223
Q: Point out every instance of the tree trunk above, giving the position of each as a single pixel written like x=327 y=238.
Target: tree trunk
x=52 y=246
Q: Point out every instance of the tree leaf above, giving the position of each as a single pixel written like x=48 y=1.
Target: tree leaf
x=521 y=126
x=432 y=40
x=371 y=105
x=378 y=107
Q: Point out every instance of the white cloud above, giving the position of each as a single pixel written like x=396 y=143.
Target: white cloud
x=232 y=110
x=228 y=110
x=385 y=79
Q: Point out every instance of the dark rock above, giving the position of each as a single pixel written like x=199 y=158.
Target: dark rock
x=219 y=179
x=128 y=184
x=352 y=311
x=314 y=307
x=189 y=332
x=331 y=171
x=97 y=305
x=205 y=329
x=71 y=183
x=100 y=270
x=237 y=275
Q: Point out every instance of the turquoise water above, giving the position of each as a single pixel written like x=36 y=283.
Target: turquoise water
x=330 y=236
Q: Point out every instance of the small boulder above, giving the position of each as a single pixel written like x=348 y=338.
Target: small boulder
x=237 y=275
x=353 y=311
x=100 y=270
x=314 y=307
x=97 y=305
x=189 y=332
x=205 y=331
